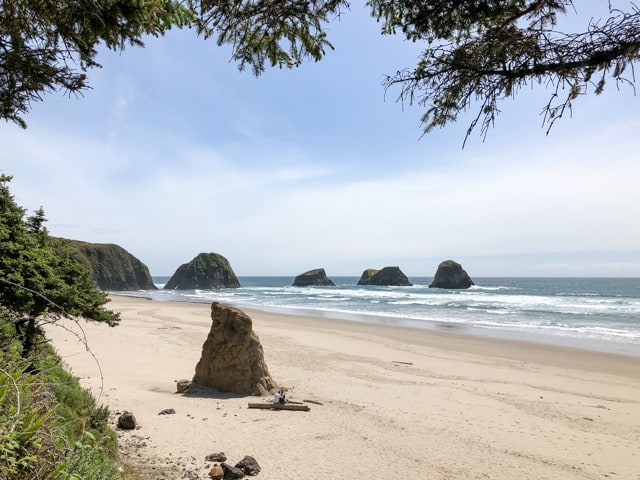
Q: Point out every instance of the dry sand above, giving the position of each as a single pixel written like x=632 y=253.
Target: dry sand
x=396 y=402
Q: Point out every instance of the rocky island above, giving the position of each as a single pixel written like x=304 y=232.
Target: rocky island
x=206 y=271
x=388 y=276
x=317 y=277
x=450 y=274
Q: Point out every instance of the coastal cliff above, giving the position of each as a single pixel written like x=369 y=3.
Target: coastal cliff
x=112 y=267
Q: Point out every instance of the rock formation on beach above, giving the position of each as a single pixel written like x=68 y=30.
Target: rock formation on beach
x=450 y=274
x=127 y=421
x=206 y=271
x=232 y=358
x=112 y=267
x=317 y=277
x=391 y=276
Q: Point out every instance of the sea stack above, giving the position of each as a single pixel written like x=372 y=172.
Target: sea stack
x=206 y=271
x=388 y=276
x=317 y=278
x=232 y=357
x=450 y=274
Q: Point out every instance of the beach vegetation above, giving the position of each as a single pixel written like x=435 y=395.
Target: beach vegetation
x=475 y=54
x=50 y=427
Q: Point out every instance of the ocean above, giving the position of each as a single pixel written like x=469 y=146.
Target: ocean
x=600 y=314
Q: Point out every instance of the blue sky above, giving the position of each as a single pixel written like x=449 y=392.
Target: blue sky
x=174 y=152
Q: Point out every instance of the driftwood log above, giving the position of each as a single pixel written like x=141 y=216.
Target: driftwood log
x=279 y=406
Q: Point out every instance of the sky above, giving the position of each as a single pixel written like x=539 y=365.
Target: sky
x=174 y=152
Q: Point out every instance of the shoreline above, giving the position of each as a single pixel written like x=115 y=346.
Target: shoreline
x=396 y=402
x=592 y=345
x=462 y=339
x=465 y=342
x=626 y=349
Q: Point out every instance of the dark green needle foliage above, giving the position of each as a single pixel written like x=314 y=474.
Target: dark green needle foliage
x=39 y=283
x=475 y=53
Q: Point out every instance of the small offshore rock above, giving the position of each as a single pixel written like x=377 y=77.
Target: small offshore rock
x=231 y=472
x=248 y=465
x=216 y=457
x=317 y=277
x=127 y=421
x=167 y=411
x=183 y=385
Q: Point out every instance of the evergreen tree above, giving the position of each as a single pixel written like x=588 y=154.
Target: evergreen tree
x=38 y=281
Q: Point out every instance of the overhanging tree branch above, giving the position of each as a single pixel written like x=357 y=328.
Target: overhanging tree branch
x=485 y=64
x=477 y=52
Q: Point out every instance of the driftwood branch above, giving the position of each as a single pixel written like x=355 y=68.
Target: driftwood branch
x=279 y=406
x=404 y=363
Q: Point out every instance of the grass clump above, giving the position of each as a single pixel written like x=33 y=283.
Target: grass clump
x=50 y=427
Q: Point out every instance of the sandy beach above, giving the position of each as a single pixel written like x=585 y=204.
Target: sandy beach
x=395 y=402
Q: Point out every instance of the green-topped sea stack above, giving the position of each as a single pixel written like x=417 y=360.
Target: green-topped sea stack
x=207 y=271
x=388 y=276
x=317 y=278
x=450 y=274
x=365 y=278
x=112 y=267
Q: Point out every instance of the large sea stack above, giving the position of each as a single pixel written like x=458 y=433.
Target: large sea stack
x=207 y=271
x=232 y=358
x=450 y=274
x=111 y=266
x=388 y=276
x=317 y=277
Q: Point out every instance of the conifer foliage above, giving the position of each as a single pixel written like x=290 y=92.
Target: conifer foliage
x=476 y=52
x=36 y=280
x=48 y=45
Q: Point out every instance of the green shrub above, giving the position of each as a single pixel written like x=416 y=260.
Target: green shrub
x=50 y=427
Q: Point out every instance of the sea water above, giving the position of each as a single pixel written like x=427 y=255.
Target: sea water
x=594 y=313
